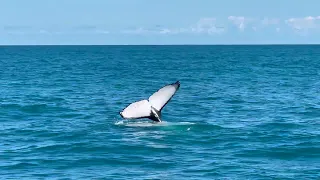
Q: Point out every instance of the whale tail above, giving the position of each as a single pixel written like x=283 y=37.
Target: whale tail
x=152 y=107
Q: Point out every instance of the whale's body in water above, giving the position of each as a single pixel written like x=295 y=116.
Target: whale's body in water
x=152 y=107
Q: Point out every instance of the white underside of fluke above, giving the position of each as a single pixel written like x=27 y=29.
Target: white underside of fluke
x=144 y=108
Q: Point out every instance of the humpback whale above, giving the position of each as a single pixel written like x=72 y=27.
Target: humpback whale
x=151 y=108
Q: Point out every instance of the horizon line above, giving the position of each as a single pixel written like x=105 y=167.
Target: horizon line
x=236 y=44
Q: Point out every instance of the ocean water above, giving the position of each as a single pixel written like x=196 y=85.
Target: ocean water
x=242 y=112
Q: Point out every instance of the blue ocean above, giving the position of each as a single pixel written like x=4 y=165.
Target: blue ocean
x=241 y=112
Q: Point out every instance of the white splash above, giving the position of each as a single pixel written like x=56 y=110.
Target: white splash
x=150 y=124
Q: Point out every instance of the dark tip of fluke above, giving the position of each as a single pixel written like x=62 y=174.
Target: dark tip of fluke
x=177 y=83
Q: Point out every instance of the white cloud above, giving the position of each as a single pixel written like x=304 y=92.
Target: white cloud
x=240 y=21
x=17 y=30
x=203 y=26
x=270 y=21
x=157 y=30
x=165 y=31
x=305 y=23
x=207 y=26
x=151 y=30
x=28 y=30
x=173 y=30
x=255 y=24
x=90 y=29
x=259 y=24
x=139 y=30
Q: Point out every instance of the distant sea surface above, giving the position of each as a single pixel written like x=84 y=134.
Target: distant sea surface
x=242 y=112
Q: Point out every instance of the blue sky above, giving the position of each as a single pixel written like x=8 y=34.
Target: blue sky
x=159 y=21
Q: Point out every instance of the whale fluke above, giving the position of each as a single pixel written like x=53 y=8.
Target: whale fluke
x=152 y=107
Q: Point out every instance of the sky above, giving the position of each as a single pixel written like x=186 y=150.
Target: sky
x=68 y=22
